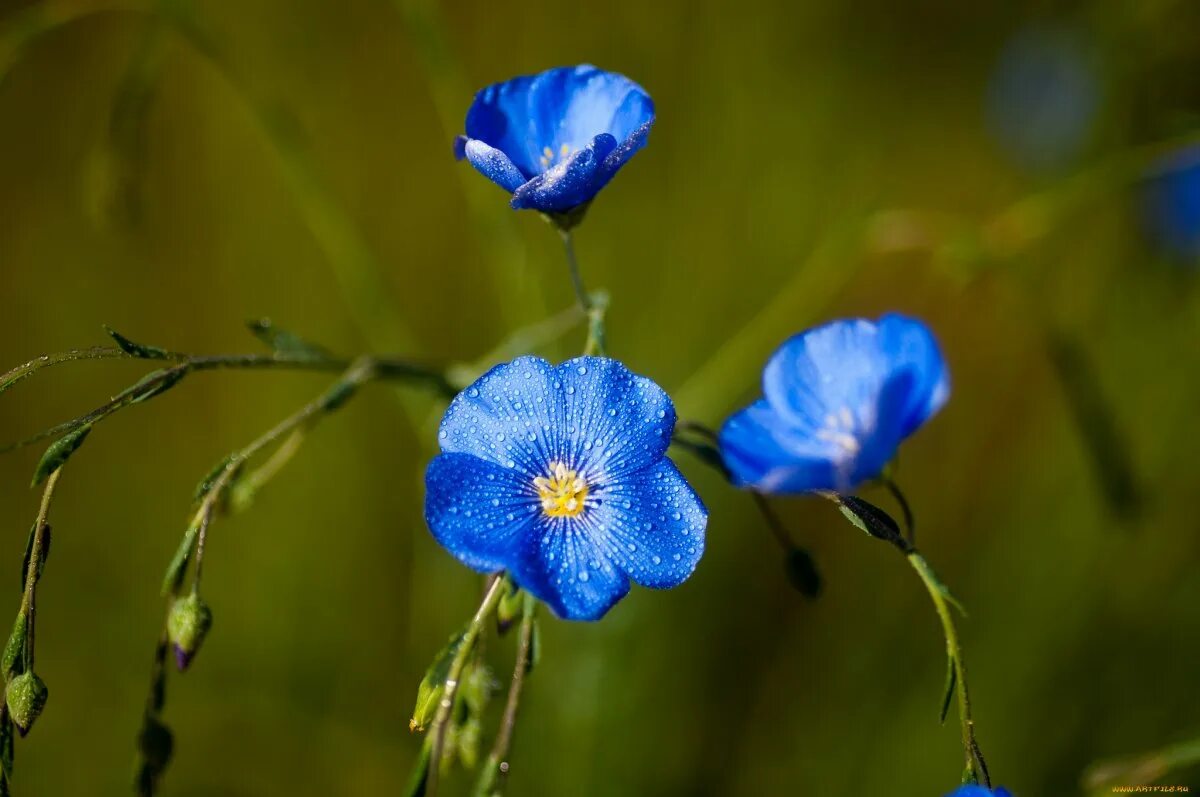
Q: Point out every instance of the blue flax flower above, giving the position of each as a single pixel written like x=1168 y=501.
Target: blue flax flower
x=979 y=791
x=838 y=400
x=555 y=139
x=559 y=476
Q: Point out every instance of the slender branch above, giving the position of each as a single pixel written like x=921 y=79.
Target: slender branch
x=495 y=771
x=388 y=368
x=26 y=370
x=774 y=523
x=33 y=571
x=453 y=675
x=594 y=306
x=910 y=524
x=976 y=767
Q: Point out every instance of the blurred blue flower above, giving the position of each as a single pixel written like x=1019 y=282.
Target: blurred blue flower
x=559 y=476
x=1171 y=203
x=1043 y=97
x=555 y=139
x=838 y=400
x=979 y=791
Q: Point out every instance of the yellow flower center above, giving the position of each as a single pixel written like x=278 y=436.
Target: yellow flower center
x=562 y=492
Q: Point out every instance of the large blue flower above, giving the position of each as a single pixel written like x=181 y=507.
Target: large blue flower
x=559 y=476
x=979 y=791
x=555 y=139
x=838 y=400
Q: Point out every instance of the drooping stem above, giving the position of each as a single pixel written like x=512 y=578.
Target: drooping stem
x=910 y=524
x=33 y=572
x=595 y=310
x=441 y=719
x=976 y=768
x=495 y=770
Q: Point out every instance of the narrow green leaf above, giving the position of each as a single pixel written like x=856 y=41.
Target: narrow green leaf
x=951 y=682
x=429 y=693
x=157 y=382
x=209 y=481
x=284 y=342
x=11 y=661
x=338 y=395
x=59 y=452
x=136 y=349
x=873 y=520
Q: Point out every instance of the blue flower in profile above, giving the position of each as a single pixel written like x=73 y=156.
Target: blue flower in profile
x=1171 y=201
x=559 y=475
x=555 y=139
x=979 y=791
x=837 y=401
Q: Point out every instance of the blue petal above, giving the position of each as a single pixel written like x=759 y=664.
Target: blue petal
x=494 y=165
x=590 y=413
x=511 y=416
x=499 y=117
x=482 y=513
x=624 y=151
x=763 y=453
x=823 y=371
x=570 y=183
x=617 y=422
x=908 y=344
x=979 y=791
x=564 y=568
x=650 y=525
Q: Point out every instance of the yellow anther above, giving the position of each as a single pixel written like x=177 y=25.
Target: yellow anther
x=549 y=153
x=563 y=493
x=564 y=151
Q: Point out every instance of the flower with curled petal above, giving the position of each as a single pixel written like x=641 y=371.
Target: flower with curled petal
x=559 y=475
x=837 y=401
x=555 y=139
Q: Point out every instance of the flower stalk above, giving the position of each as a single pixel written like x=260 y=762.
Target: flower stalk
x=975 y=770
x=495 y=770
x=441 y=719
x=593 y=306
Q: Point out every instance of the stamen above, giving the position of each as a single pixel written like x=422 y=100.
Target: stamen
x=563 y=493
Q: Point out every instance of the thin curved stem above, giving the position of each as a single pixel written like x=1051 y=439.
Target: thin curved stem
x=910 y=524
x=594 y=306
x=495 y=770
x=441 y=719
x=33 y=572
x=976 y=769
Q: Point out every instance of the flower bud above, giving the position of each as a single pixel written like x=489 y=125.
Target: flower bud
x=26 y=697
x=187 y=625
x=508 y=610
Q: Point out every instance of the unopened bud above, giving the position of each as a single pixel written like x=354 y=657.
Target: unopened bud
x=26 y=697
x=187 y=625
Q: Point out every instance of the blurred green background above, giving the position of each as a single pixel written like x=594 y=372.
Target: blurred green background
x=173 y=171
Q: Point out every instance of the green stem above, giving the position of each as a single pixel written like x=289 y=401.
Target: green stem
x=976 y=769
x=441 y=719
x=384 y=368
x=495 y=770
x=595 y=310
x=33 y=572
